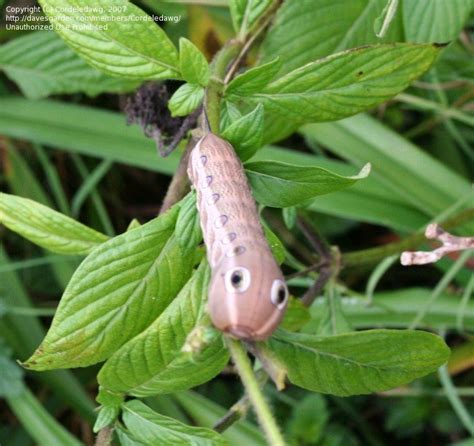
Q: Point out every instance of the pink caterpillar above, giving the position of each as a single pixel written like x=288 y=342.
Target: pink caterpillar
x=247 y=293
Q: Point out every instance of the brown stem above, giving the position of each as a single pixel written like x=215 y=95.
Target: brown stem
x=240 y=408
x=179 y=183
x=188 y=123
x=104 y=437
x=325 y=273
x=235 y=413
x=326 y=270
x=263 y=24
x=315 y=240
x=287 y=237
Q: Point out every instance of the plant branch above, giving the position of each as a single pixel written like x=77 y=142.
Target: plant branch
x=214 y=90
x=249 y=380
x=104 y=437
x=240 y=408
x=453 y=397
x=179 y=183
x=225 y=64
x=450 y=243
x=444 y=111
x=328 y=267
x=373 y=255
x=263 y=24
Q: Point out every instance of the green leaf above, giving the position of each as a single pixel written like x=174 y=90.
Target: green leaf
x=150 y=427
x=42 y=64
x=207 y=413
x=41 y=426
x=254 y=79
x=308 y=419
x=106 y=417
x=246 y=133
x=280 y=185
x=398 y=309
x=229 y=114
x=103 y=134
x=46 y=227
x=126 y=438
x=152 y=362
x=278 y=250
x=11 y=378
x=304 y=31
x=87 y=130
x=435 y=20
x=297 y=315
x=360 y=362
x=346 y=83
x=118 y=291
x=383 y=21
x=188 y=226
x=28 y=332
x=333 y=320
x=131 y=45
x=246 y=12
x=363 y=138
x=289 y=217
x=186 y=99
x=193 y=64
x=109 y=399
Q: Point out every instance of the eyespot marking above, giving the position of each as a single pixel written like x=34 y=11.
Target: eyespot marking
x=228 y=238
x=221 y=221
x=279 y=294
x=203 y=159
x=206 y=182
x=213 y=199
x=237 y=280
x=237 y=251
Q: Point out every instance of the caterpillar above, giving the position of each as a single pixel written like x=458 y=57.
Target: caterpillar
x=247 y=292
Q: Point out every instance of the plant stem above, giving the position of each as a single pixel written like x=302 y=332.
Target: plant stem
x=466 y=392
x=453 y=397
x=104 y=437
x=179 y=183
x=214 y=90
x=226 y=62
x=442 y=285
x=469 y=290
x=373 y=255
x=38 y=422
x=249 y=380
x=443 y=110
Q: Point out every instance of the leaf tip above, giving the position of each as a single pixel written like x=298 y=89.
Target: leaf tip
x=364 y=172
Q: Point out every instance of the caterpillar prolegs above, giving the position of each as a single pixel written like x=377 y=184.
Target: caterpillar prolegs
x=247 y=294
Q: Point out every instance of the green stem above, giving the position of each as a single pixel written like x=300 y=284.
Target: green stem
x=401 y=392
x=233 y=51
x=442 y=285
x=216 y=85
x=443 y=110
x=249 y=380
x=456 y=403
x=373 y=255
x=469 y=290
x=38 y=422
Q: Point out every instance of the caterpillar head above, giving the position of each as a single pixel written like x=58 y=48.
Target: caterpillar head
x=248 y=295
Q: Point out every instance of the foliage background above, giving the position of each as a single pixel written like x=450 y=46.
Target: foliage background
x=73 y=152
